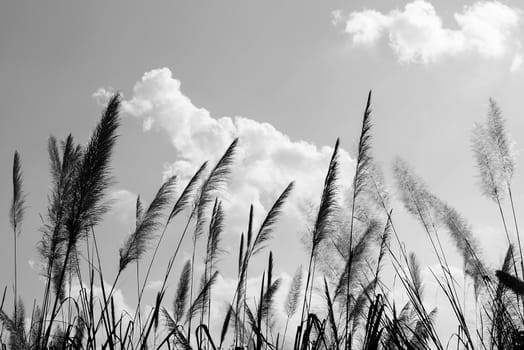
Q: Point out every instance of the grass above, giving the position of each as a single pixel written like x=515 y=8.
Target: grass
x=349 y=244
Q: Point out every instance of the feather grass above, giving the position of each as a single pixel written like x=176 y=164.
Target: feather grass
x=215 y=182
x=216 y=228
x=325 y=219
x=16 y=214
x=182 y=291
x=93 y=176
x=496 y=129
x=89 y=188
x=185 y=198
x=200 y=301
x=137 y=243
x=265 y=233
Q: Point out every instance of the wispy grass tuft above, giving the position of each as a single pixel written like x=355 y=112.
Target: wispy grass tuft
x=350 y=243
x=137 y=243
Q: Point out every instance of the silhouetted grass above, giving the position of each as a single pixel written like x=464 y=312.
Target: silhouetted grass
x=352 y=241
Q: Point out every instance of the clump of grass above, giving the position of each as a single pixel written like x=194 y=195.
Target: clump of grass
x=351 y=244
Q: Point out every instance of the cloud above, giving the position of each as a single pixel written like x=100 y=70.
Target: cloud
x=121 y=307
x=416 y=34
x=267 y=159
x=102 y=95
x=123 y=204
x=155 y=285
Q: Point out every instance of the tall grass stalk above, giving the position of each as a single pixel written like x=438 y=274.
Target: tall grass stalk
x=323 y=224
x=16 y=216
x=351 y=240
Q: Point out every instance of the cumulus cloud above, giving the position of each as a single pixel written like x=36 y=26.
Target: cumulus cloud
x=417 y=34
x=267 y=159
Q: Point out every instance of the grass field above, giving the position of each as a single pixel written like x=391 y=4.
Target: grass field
x=349 y=245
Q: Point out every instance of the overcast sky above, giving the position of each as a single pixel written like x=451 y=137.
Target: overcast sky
x=287 y=77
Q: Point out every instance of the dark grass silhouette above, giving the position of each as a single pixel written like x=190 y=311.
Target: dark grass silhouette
x=352 y=239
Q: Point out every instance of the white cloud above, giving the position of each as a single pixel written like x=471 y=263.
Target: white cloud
x=121 y=306
x=366 y=26
x=267 y=159
x=102 y=96
x=416 y=33
x=123 y=204
x=154 y=285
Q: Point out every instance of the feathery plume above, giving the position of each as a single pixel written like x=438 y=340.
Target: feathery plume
x=139 y=211
x=216 y=227
x=182 y=291
x=93 y=175
x=200 y=301
x=328 y=203
x=36 y=326
x=460 y=232
x=169 y=322
x=490 y=175
x=266 y=229
x=413 y=191
x=357 y=311
x=414 y=271
x=364 y=148
x=357 y=257
x=269 y=298
x=16 y=327
x=375 y=187
x=293 y=295
x=185 y=198
x=496 y=129
x=55 y=164
x=325 y=220
x=383 y=243
x=136 y=244
x=16 y=214
x=421 y=332
x=63 y=172
x=216 y=180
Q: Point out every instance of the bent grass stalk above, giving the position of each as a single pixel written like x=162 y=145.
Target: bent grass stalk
x=367 y=318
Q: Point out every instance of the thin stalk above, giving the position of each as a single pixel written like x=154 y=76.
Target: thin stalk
x=15 y=268
x=350 y=260
x=516 y=228
x=306 y=291
x=169 y=265
x=55 y=304
x=311 y=287
x=191 y=287
x=138 y=292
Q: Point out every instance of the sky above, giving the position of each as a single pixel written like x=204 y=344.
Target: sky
x=288 y=78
